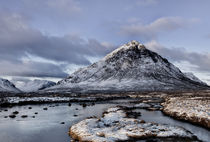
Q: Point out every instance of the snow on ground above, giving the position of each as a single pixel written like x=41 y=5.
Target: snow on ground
x=33 y=85
x=191 y=76
x=18 y=100
x=114 y=125
x=193 y=109
x=7 y=86
x=131 y=67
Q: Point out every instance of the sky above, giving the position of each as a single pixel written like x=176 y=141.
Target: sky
x=49 y=39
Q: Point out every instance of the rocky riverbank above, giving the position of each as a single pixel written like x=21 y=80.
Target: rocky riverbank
x=194 y=109
x=116 y=125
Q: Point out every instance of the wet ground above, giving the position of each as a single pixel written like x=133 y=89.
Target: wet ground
x=51 y=122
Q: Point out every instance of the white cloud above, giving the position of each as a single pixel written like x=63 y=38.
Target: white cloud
x=25 y=51
x=153 y=29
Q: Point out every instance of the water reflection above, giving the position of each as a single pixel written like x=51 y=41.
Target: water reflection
x=46 y=126
x=159 y=117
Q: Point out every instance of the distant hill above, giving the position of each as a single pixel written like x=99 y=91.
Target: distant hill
x=33 y=85
x=7 y=86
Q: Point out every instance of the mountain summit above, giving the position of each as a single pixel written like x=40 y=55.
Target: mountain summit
x=131 y=67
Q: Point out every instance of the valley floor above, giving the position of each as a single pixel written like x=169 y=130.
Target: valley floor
x=191 y=106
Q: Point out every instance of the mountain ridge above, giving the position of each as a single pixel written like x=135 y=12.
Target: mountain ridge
x=33 y=85
x=131 y=67
x=7 y=86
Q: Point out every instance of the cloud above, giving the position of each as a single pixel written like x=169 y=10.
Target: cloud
x=153 y=29
x=147 y=2
x=52 y=8
x=199 y=61
x=31 y=69
x=46 y=56
x=64 y=6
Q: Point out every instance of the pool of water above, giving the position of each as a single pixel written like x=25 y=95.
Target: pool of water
x=46 y=125
x=158 y=117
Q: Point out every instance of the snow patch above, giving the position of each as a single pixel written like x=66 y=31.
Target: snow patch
x=115 y=126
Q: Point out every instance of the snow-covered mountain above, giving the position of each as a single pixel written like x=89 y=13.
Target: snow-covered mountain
x=191 y=76
x=131 y=67
x=7 y=86
x=33 y=85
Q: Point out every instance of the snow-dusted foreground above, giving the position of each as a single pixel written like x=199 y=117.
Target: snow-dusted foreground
x=25 y=100
x=116 y=126
x=193 y=109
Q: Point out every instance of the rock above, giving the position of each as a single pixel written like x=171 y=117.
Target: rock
x=84 y=105
x=62 y=123
x=29 y=107
x=24 y=116
x=45 y=108
x=12 y=116
x=36 y=113
x=15 y=112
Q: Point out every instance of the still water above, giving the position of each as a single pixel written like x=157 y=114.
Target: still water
x=46 y=125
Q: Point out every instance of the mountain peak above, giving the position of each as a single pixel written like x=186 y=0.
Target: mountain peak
x=130 y=46
x=131 y=67
x=133 y=45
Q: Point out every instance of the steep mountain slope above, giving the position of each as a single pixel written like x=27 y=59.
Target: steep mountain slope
x=193 y=77
x=7 y=86
x=131 y=67
x=33 y=85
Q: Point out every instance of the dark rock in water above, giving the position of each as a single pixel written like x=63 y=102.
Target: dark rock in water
x=69 y=104
x=76 y=109
x=24 y=116
x=62 y=123
x=45 y=108
x=36 y=113
x=12 y=116
x=29 y=107
x=5 y=110
x=133 y=114
x=75 y=115
x=15 y=112
x=5 y=116
x=84 y=105
x=33 y=116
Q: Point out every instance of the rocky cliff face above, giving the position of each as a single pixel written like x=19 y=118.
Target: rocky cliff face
x=131 y=67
